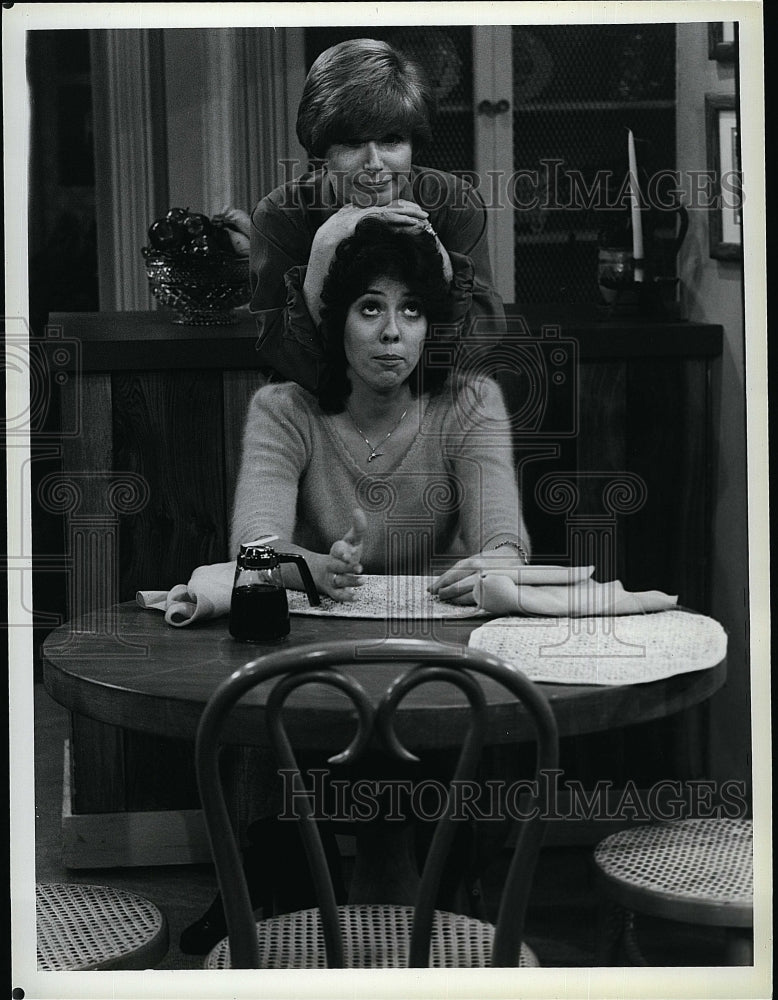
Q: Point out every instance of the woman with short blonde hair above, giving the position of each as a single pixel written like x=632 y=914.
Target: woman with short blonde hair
x=364 y=114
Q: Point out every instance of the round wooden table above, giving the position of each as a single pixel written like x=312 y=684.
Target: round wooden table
x=127 y=667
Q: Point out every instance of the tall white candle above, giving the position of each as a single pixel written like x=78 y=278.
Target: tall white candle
x=634 y=197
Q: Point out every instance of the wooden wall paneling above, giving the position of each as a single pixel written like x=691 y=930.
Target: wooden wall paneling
x=159 y=773
x=169 y=430
x=216 y=454
x=596 y=535
x=601 y=460
x=658 y=435
x=542 y=444
x=692 y=488
x=87 y=461
x=238 y=388
x=668 y=431
x=547 y=528
x=91 y=449
x=97 y=761
x=670 y=536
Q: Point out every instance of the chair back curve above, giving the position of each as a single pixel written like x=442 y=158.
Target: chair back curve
x=419 y=662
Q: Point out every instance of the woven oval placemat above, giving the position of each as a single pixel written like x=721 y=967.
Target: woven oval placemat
x=627 y=649
x=385 y=597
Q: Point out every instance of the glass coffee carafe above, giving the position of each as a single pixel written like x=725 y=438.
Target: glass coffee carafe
x=259 y=610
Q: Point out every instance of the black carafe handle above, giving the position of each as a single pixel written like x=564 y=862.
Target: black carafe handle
x=305 y=573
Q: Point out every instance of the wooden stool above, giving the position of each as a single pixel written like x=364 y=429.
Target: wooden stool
x=697 y=871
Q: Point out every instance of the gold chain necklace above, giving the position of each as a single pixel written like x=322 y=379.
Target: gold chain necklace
x=374 y=452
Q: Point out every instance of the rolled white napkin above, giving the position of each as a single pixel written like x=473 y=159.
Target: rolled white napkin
x=500 y=594
x=207 y=595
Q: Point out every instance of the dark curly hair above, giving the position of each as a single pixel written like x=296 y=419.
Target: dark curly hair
x=362 y=89
x=377 y=250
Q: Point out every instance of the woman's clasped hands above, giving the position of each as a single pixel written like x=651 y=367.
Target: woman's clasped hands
x=400 y=213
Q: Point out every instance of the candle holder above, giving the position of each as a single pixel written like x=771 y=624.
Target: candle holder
x=635 y=248
x=622 y=295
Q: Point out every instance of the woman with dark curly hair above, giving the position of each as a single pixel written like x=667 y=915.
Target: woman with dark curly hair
x=391 y=433
x=363 y=115
x=382 y=251
x=341 y=475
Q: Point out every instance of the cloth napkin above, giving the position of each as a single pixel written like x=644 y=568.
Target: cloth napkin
x=571 y=594
x=207 y=595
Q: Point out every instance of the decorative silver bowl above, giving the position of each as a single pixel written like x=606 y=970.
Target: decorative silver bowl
x=204 y=290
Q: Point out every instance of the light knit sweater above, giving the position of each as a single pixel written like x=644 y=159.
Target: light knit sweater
x=452 y=494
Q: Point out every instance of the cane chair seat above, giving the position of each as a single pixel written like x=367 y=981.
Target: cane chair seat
x=697 y=871
x=82 y=927
x=374 y=937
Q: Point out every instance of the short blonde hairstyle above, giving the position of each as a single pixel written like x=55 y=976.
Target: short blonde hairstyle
x=359 y=90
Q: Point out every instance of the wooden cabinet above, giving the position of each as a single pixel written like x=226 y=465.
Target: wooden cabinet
x=163 y=406
x=614 y=451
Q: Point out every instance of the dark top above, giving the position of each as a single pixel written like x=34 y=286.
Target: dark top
x=283 y=225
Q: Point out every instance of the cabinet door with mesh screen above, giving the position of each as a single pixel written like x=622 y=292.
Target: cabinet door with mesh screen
x=576 y=91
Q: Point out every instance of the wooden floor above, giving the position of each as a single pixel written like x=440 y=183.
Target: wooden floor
x=561 y=921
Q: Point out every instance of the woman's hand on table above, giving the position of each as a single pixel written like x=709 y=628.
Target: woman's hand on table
x=457 y=584
x=342 y=568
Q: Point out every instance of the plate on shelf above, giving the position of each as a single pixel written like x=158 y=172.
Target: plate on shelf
x=533 y=66
x=438 y=57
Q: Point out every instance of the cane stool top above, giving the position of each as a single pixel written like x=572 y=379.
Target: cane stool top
x=83 y=927
x=374 y=937
x=695 y=870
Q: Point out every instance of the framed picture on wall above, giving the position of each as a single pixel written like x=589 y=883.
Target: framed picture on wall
x=723 y=146
x=721 y=41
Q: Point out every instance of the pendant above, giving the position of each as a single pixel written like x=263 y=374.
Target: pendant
x=375 y=454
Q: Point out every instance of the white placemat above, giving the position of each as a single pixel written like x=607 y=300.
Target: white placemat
x=385 y=597
x=626 y=649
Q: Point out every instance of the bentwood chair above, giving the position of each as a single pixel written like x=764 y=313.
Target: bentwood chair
x=84 y=927
x=373 y=935
x=696 y=871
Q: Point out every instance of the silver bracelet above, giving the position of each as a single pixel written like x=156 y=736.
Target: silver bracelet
x=516 y=545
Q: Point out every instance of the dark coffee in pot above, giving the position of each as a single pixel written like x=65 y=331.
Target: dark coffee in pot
x=259 y=613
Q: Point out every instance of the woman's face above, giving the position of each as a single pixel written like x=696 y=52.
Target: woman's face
x=383 y=335
x=370 y=173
